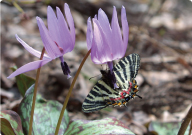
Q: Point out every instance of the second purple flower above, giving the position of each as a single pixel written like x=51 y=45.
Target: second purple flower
x=106 y=41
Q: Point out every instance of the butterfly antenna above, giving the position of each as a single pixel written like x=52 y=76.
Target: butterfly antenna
x=94 y=77
x=139 y=96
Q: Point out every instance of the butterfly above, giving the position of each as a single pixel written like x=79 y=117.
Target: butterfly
x=103 y=93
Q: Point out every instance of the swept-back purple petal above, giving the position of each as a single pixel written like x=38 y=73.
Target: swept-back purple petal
x=116 y=37
x=89 y=36
x=53 y=26
x=125 y=27
x=31 y=50
x=66 y=39
x=70 y=22
x=104 y=22
x=28 y=67
x=51 y=48
x=100 y=45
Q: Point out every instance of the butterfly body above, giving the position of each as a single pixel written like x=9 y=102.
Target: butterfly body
x=103 y=93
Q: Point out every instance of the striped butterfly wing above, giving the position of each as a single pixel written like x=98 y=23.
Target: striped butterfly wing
x=100 y=95
x=126 y=69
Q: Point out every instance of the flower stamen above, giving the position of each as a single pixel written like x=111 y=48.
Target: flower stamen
x=65 y=67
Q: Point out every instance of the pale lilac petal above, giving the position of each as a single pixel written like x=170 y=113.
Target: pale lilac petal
x=94 y=53
x=104 y=22
x=50 y=46
x=66 y=39
x=95 y=16
x=116 y=46
x=97 y=40
x=100 y=45
x=125 y=27
x=28 y=67
x=53 y=26
x=70 y=22
x=30 y=49
x=89 y=35
x=105 y=47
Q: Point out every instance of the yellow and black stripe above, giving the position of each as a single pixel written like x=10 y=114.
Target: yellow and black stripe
x=100 y=96
x=126 y=69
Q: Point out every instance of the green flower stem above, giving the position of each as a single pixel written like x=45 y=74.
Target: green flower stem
x=35 y=93
x=69 y=93
x=18 y=7
x=185 y=123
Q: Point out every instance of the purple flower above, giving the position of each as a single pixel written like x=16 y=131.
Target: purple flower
x=58 y=39
x=105 y=41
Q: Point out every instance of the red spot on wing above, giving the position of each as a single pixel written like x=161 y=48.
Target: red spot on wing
x=119 y=98
x=115 y=99
x=112 y=99
x=122 y=95
x=130 y=86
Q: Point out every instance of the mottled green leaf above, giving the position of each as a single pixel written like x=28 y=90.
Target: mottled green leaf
x=23 y=82
x=104 y=126
x=46 y=115
x=166 y=128
x=10 y=123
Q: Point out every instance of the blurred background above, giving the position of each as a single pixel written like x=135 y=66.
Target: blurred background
x=160 y=31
